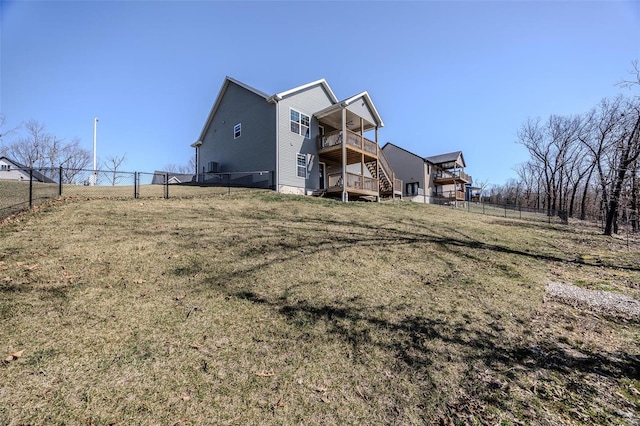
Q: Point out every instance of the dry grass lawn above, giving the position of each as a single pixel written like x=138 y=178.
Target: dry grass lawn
x=258 y=308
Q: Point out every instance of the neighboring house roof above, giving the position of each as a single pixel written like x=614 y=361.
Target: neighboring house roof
x=345 y=103
x=36 y=174
x=158 y=177
x=402 y=149
x=450 y=157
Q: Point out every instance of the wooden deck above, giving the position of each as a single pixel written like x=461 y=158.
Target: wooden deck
x=356 y=184
x=358 y=150
x=446 y=177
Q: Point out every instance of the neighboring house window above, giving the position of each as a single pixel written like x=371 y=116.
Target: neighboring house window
x=237 y=130
x=300 y=123
x=412 y=188
x=301 y=165
x=4 y=167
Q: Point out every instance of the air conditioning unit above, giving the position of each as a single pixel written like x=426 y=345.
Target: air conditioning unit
x=213 y=167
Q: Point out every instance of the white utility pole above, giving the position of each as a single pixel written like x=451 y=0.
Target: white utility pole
x=94 y=179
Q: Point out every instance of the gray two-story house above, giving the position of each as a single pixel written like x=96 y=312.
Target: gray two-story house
x=434 y=179
x=308 y=140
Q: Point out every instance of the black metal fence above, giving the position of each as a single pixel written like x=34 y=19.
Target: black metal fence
x=29 y=187
x=512 y=211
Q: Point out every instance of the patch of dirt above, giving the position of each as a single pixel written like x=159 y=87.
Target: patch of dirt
x=605 y=302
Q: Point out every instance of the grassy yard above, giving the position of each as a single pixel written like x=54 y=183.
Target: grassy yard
x=257 y=308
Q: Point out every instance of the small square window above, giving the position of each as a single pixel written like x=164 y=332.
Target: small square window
x=301 y=165
x=237 y=130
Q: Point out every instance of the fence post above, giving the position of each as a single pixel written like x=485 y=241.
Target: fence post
x=483 y=207
x=229 y=183
x=505 y=210
x=520 y=210
x=60 y=183
x=30 y=187
x=166 y=186
x=135 y=185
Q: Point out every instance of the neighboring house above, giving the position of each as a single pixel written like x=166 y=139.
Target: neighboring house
x=429 y=179
x=172 y=177
x=12 y=170
x=312 y=142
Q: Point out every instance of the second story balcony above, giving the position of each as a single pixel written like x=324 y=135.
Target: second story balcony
x=451 y=176
x=331 y=143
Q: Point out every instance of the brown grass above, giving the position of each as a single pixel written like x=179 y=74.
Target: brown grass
x=264 y=309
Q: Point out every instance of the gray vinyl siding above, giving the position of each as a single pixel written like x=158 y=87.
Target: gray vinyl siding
x=306 y=102
x=408 y=167
x=361 y=108
x=255 y=149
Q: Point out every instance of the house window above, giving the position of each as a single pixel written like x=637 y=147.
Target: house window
x=237 y=130
x=300 y=123
x=301 y=165
x=4 y=167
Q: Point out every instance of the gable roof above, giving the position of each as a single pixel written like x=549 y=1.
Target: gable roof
x=447 y=158
x=227 y=80
x=158 y=177
x=402 y=149
x=345 y=103
x=322 y=82
x=36 y=174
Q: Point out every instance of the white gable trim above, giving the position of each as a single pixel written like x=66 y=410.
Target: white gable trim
x=367 y=99
x=322 y=81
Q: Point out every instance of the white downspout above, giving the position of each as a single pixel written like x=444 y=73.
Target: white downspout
x=277 y=171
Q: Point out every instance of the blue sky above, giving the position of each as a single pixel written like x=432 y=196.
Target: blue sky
x=444 y=75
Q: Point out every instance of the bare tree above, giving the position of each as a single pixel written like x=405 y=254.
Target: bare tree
x=39 y=149
x=627 y=145
x=189 y=168
x=112 y=164
x=5 y=132
x=481 y=184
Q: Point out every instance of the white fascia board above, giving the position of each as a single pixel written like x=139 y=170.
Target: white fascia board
x=369 y=102
x=322 y=81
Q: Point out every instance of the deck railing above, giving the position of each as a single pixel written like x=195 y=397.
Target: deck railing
x=453 y=195
x=354 y=139
x=397 y=186
x=452 y=174
x=354 y=181
x=330 y=139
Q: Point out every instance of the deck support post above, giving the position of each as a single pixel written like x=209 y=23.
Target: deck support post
x=345 y=194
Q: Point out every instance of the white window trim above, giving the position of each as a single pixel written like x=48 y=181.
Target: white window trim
x=239 y=132
x=300 y=123
x=299 y=167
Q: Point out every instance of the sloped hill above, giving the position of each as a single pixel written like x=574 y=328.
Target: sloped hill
x=263 y=309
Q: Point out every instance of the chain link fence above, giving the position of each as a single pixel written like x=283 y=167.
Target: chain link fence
x=29 y=187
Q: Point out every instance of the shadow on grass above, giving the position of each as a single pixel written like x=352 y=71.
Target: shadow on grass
x=406 y=340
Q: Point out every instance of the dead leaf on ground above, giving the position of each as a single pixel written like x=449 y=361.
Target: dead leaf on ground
x=195 y=346
x=13 y=356
x=321 y=389
x=265 y=374
x=140 y=281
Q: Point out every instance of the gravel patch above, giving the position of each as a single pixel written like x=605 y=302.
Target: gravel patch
x=606 y=302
